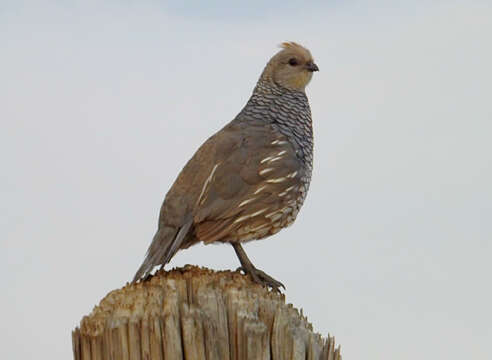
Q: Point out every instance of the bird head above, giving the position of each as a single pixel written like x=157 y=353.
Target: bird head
x=291 y=68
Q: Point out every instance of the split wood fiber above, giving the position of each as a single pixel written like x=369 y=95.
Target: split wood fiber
x=194 y=313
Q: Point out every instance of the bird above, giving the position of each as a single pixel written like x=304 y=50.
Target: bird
x=248 y=180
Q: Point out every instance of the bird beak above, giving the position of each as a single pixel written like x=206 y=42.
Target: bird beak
x=312 y=66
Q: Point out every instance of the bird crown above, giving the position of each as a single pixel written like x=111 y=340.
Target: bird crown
x=291 y=45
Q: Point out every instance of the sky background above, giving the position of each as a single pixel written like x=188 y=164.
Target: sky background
x=102 y=103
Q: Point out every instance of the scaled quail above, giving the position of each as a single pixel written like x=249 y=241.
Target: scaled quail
x=250 y=179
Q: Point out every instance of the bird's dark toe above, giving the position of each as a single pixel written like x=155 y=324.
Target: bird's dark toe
x=268 y=281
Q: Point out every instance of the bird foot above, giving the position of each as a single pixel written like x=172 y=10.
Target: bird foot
x=262 y=278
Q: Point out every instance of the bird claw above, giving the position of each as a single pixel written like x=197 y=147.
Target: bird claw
x=262 y=278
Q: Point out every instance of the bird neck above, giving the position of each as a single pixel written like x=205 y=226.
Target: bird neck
x=275 y=104
x=267 y=87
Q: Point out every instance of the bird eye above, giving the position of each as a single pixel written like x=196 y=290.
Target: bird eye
x=293 y=61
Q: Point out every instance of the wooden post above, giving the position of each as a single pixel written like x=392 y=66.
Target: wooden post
x=194 y=313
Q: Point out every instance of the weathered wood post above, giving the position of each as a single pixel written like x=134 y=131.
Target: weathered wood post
x=193 y=313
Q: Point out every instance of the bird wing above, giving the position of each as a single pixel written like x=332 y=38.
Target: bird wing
x=254 y=176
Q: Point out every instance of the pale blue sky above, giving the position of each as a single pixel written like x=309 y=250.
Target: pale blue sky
x=101 y=104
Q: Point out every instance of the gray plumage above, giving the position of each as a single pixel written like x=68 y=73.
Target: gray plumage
x=250 y=179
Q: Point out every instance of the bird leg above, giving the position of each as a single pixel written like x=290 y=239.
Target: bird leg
x=257 y=275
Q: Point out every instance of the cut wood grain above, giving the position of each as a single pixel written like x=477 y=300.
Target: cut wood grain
x=194 y=313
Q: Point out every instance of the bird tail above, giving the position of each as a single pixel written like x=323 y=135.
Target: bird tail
x=166 y=242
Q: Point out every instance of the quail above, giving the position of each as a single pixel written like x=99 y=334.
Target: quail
x=249 y=179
